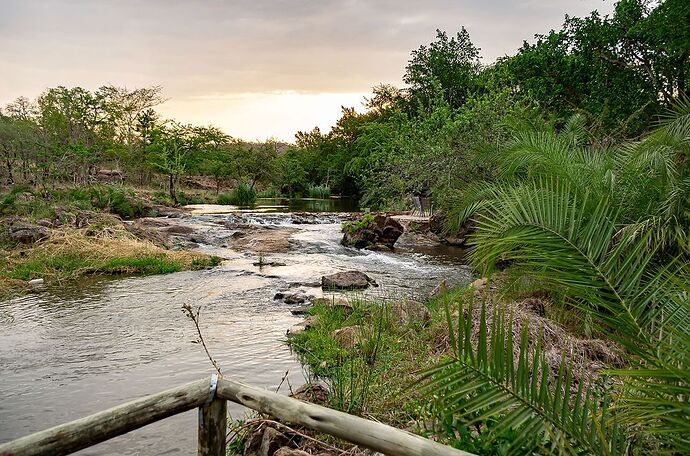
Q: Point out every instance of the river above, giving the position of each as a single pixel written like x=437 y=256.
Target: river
x=68 y=351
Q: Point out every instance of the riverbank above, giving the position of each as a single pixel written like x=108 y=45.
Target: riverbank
x=375 y=359
x=59 y=236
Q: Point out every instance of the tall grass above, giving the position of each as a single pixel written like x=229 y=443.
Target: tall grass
x=242 y=195
x=318 y=191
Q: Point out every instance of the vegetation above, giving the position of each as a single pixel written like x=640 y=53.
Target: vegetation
x=105 y=250
x=568 y=163
x=367 y=221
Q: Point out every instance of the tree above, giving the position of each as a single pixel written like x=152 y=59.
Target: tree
x=451 y=64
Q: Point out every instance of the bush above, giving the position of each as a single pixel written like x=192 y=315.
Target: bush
x=269 y=193
x=367 y=221
x=319 y=191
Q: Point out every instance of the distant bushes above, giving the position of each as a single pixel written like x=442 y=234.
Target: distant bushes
x=242 y=195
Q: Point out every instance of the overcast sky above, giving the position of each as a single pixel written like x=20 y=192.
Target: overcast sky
x=257 y=68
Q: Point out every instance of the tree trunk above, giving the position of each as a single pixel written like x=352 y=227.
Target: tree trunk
x=10 y=177
x=172 y=187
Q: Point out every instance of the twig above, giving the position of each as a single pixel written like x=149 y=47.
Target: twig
x=187 y=310
x=319 y=442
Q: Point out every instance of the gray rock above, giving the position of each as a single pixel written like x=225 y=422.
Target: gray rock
x=25 y=233
x=309 y=322
x=265 y=442
x=350 y=280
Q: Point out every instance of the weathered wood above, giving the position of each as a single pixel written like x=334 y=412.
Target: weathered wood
x=96 y=428
x=376 y=436
x=212 y=428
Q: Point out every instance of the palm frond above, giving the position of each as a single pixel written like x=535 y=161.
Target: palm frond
x=486 y=382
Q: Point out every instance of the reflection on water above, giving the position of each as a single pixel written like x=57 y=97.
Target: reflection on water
x=264 y=205
x=69 y=351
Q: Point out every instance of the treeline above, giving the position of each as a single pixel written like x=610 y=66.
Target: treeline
x=620 y=74
x=73 y=136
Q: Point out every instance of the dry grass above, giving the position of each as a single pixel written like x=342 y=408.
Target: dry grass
x=70 y=253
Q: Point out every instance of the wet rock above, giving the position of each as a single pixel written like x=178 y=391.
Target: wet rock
x=347 y=337
x=295 y=298
x=279 y=295
x=265 y=442
x=26 y=233
x=301 y=310
x=179 y=229
x=305 y=284
x=268 y=263
x=381 y=234
x=309 y=322
x=350 y=280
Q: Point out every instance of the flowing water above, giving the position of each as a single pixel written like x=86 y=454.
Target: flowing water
x=69 y=351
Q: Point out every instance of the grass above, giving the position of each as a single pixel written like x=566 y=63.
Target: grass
x=242 y=195
x=318 y=191
x=377 y=377
x=69 y=254
x=35 y=204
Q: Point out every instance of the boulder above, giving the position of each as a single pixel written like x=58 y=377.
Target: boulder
x=26 y=233
x=347 y=337
x=301 y=310
x=350 y=280
x=380 y=234
x=303 y=326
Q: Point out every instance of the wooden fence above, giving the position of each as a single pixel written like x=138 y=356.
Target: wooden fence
x=211 y=397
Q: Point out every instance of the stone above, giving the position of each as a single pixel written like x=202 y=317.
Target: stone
x=26 y=233
x=179 y=229
x=479 y=284
x=295 y=298
x=36 y=282
x=350 y=280
x=382 y=234
x=347 y=337
x=265 y=442
x=309 y=322
x=301 y=310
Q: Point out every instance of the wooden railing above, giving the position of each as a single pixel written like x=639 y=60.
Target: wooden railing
x=211 y=398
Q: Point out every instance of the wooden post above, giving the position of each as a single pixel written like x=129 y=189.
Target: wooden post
x=212 y=428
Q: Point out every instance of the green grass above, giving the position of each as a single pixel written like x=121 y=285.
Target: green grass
x=374 y=377
x=242 y=195
x=318 y=191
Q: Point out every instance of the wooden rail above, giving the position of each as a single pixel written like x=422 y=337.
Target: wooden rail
x=210 y=398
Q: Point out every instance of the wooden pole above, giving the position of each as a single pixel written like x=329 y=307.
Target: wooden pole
x=376 y=436
x=96 y=428
x=212 y=428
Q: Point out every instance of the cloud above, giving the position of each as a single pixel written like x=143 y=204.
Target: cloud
x=205 y=47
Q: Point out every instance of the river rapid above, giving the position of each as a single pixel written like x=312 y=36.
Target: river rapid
x=69 y=351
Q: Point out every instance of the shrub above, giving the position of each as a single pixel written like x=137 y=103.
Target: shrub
x=367 y=221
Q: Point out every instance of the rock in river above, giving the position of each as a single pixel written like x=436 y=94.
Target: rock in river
x=350 y=280
x=380 y=234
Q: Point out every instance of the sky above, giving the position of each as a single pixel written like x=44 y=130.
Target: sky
x=256 y=69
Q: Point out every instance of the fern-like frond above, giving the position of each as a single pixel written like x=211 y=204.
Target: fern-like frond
x=542 y=412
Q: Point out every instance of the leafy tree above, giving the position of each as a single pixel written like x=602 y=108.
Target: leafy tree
x=451 y=64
